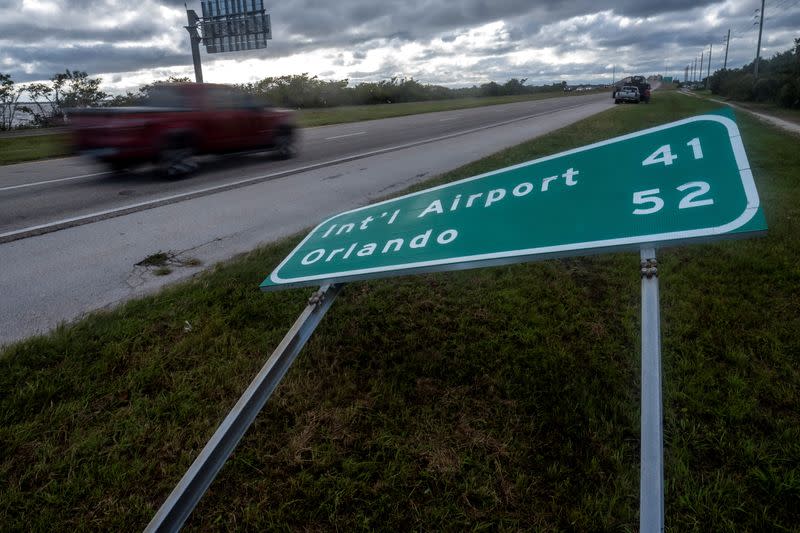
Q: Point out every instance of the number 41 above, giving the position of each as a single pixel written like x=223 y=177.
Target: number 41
x=664 y=154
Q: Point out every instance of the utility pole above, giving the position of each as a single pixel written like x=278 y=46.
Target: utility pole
x=195 y=39
x=727 y=43
x=708 y=75
x=758 y=48
x=613 y=74
x=686 y=74
x=700 y=72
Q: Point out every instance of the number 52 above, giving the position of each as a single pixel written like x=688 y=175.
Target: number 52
x=696 y=188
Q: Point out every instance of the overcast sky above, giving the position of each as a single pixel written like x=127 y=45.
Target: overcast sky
x=447 y=42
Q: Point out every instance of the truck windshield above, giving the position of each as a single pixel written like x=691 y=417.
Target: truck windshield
x=165 y=96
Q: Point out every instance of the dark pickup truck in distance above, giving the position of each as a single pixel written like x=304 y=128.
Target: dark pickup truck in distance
x=640 y=82
x=628 y=93
x=178 y=121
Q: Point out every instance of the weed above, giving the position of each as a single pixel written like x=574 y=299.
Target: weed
x=156 y=259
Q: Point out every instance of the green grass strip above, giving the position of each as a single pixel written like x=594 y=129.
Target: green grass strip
x=31 y=148
x=502 y=398
x=344 y=114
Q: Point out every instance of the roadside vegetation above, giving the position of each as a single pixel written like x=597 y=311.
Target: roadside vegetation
x=45 y=103
x=340 y=115
x=503 y=398
x=778 y=81
x=33 y=147
x=301 y=91
x=791 y=115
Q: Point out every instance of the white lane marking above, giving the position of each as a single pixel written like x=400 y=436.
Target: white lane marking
x=449 y=119
x=107 y=213
x=346 y=135
x=34 y=184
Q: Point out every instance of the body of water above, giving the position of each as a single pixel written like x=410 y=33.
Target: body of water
x=20 y=117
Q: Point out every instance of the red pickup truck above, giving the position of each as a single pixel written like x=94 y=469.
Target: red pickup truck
x=179 y=121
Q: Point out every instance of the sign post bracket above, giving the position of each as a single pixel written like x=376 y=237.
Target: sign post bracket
x=651 y=479
x=184 y=497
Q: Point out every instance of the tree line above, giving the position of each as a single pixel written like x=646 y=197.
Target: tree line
x=302 y=91
x=46 y=101
x=778 y=80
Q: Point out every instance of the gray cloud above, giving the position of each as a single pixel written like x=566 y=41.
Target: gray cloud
x=85 y=35
x=30 y=32
x=92 y=59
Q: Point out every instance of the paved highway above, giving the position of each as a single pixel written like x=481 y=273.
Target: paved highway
x=231 y=206
x=41 y=193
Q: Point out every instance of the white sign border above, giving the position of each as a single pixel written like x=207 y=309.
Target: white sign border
x=741 y=161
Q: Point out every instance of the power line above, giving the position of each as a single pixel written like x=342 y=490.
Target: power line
x=781 y=3
x=772 y=12
x=747 y=27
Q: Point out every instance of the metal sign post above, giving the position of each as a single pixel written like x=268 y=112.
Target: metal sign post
x=651 y=478
x=194 y=39
x=184 y=497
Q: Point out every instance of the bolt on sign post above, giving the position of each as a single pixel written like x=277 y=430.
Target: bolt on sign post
x=688 y=181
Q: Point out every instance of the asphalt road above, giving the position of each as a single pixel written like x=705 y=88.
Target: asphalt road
x=46 y=192
x=58 y=276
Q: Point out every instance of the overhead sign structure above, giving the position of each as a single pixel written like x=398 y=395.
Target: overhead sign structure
x=234 y=25
x=684 y=181
x=227 y=26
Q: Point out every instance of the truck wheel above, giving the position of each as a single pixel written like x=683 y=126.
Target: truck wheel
x=176 y=158
x=117 y=166
x=285 y=144
x=617 y=101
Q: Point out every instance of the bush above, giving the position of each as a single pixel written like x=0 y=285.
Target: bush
x=789 y=94
x=738 y=87
x=779 y=81
x=765 y=89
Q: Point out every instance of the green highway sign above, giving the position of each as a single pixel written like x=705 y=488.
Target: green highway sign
x=681 y=182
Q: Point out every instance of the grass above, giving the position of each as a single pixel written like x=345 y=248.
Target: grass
x=767 y=108
x=502 y=398
x=344 y=114
x=31 y=148
x=792 y=115
x=157 y=259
